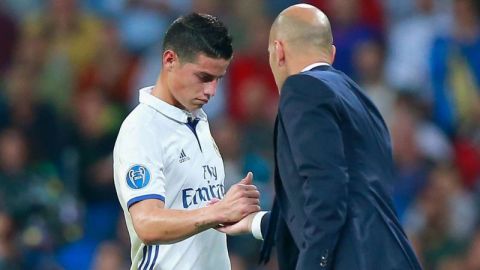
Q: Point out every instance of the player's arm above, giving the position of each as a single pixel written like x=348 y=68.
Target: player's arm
x=155 y=224
x=254 y=223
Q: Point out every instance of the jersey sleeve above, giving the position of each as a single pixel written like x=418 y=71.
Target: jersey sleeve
x=138 y=167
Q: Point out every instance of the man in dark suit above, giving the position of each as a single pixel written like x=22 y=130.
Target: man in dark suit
x=333 y=161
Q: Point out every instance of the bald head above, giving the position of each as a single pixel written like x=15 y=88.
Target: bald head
x=303 y=26
x=300 y=36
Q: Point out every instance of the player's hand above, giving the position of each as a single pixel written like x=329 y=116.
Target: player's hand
x=244 y=226
x=240 y=200
x=213 y=201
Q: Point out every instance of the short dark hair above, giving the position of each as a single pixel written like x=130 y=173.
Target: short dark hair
x=198 y=33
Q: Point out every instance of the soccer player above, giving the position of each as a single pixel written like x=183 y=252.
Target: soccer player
x=167 y=167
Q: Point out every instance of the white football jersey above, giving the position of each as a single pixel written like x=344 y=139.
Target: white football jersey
x=161 y=153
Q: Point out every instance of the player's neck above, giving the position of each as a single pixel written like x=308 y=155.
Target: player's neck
x=161 y=91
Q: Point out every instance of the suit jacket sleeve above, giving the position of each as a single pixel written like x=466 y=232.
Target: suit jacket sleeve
x=309 y=113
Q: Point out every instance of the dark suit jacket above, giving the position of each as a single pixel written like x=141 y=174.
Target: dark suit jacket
x=333 y=160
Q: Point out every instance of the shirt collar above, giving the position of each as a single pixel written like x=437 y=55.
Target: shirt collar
x=314 y=65
x=167 y=109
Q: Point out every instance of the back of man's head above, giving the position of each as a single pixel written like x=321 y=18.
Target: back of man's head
x=198 y=33
x=304 y=27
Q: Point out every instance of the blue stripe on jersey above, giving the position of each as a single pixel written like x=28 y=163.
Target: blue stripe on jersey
x=143 y=257
x=148 y=257
x=155 y=257
x=145 y=197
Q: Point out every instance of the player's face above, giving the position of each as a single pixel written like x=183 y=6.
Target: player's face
x=192 y=84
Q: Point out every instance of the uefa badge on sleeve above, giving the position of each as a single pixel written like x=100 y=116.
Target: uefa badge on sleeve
x=138 y=177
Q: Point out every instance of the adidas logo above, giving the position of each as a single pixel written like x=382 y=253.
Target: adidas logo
x=183 y=157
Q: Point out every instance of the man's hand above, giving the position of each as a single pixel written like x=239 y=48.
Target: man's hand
x=240 y=200
x=244 y=226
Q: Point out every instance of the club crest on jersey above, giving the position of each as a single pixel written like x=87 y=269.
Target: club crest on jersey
x=138 y=177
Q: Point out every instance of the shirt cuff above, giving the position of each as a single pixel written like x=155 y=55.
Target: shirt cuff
x=256 y=225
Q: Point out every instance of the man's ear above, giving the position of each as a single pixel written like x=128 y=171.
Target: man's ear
x=279 y=52
x=169 y=59
x=332 y=54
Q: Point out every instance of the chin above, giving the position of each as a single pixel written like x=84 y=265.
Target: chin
x=195 y=107
x=198 y=104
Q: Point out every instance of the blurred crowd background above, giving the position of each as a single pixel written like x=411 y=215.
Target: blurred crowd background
x=70 y=71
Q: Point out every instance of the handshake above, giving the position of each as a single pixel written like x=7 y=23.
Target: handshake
x=234 y=213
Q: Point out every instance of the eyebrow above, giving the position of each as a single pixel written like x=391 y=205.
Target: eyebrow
x=208 y=75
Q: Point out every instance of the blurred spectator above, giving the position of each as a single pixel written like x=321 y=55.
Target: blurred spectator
x=29 y=55
x=8 y=38
x=467 y=158
x=351 y=22
x=452 y=263
x=107 y=9
x=237 y=262
x=416 y=144
x=411 y=166
x=109 y=256
x=472 y=260
x=14 y=173
x=370 y=11
x=143 y=24
x=208 y=6
x=68 y=31
x=26 y=112
x=368 y=63
x=10 y=257
x=407 y=63
x=432 y=144
x=95 y=124
x=251 y=85
x=94 y=252
x=455 y=64
x=240 y=158
x=402 y=10
x=21 y=9
x=71 y=38
x=112 y=69
x=253 y=95
x=273 y=8
x=443 y=218
x=149 y=66
x=34 y=198
x=399 y=10
x=228 y=136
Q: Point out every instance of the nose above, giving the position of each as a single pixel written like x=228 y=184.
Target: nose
x=210 y=88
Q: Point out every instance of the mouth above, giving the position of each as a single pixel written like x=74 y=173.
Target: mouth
x=203 y=100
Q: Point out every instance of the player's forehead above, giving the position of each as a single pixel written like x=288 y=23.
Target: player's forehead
x=205 y=64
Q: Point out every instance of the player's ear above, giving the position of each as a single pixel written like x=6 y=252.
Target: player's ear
x=169 y=59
